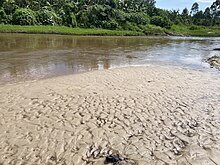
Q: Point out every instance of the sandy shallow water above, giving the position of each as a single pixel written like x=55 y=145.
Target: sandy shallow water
x=152 y=115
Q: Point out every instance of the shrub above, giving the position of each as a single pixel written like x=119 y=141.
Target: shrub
x=121 y=16
x=130 y=26
x=69 y=20
x=72 y=20
x=151 y=29
x=139 y=18
x=83 y=19
x=94 y=16
x=9 y=7
x=193 y=28
x=163 y=22
x=3 y=16
x=67 y=15
x=112 y=25
x=46 y=17
x=24 y=17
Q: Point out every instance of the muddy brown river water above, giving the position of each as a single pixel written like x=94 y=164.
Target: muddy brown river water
x=31 y=56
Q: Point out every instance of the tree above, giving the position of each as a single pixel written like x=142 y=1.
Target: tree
x=68 y=15
x=3 y=17
x=207 y=13
x=160 y=21
x=175 y=16
x=2 y=2
x=23 y=3
x=185 y=17
x=139 y=18
x=9 y=7
x=195 y=8
x=24 y=17
x=215 y=8
x=110 y=14
x=185 y=12
x=46 y=17
x=198 y=18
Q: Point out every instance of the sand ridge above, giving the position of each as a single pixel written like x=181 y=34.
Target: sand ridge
x=152 y=115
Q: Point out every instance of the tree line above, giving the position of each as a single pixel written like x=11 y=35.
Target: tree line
x=108 y=14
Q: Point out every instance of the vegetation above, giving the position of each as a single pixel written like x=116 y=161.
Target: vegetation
x=200 y=31
x=66 y=30
x=138 y=16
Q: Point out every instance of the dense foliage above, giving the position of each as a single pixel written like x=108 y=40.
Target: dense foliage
x=133 y=15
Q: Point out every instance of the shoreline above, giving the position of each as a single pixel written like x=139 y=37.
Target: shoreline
x=211 y=70
x=176 y=30
x=147 y=114
x=62 y=30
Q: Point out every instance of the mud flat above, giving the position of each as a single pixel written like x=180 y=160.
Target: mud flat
x=149 y=115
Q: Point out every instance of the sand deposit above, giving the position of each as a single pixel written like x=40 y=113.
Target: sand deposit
x=149 y=115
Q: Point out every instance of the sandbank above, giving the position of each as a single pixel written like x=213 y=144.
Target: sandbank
x=151 y=115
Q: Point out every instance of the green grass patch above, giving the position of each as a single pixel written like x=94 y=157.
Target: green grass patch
x=200 y=31
x=152 y=30
x=65 y=30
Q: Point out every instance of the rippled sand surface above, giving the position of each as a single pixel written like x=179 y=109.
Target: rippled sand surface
x=151 y=115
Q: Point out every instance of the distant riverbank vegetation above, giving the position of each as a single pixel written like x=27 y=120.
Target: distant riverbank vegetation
x=40 y=29
x=107 y=17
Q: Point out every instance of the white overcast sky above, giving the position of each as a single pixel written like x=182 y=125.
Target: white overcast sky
x=181 y=4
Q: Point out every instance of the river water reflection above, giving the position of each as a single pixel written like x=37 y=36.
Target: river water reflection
x=30 y=56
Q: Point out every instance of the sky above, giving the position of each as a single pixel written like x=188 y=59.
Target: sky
x=181 y=4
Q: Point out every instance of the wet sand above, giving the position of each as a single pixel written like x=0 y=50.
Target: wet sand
x=152 y=115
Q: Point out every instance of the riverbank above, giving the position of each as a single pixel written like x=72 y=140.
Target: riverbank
x=65 y=30
x=152 y=115
x=197 y=31
x=176 y=30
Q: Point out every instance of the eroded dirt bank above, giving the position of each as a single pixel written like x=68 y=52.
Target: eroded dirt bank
x=148 y=114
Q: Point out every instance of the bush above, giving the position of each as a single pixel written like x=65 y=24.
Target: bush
x=2 y=2
x=112 y=25
x=83 y=20
x=163 y=22
x=152 y=30
x=130 y=26
x=24 y=17
x=69 y=20
x=93 y=16
x=68 y=16
x=72 y=20
x=139 y=18
x=9 y=7
x=121 y=16
x=3 y=16
x=194 y=28
x=46 y=17
x=206 y=22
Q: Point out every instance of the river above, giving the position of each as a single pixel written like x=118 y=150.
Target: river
x=36 y=56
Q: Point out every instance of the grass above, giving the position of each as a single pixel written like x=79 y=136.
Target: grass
x=152 y=30
x=199 y=31
x=65 y=30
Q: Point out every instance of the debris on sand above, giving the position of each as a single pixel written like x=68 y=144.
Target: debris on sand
x=217 y=49
x=118 y=160
x=214 y=62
